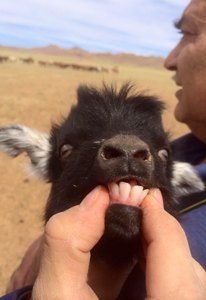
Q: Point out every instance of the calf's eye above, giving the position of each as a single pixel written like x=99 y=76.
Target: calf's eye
x=164 y=155
x=66 y=150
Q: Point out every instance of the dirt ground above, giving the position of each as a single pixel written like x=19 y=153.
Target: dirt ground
x=36 y=96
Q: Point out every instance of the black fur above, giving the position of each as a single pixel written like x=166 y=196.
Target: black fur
x=101 y=116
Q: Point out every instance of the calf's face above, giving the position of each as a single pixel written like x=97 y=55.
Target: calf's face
x=114 y=139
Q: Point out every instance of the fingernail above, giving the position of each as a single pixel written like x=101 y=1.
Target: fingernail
x=90 y=199
x=157 y=196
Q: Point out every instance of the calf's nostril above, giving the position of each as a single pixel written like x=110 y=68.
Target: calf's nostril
x=122 y=149
x=111 y=152
x=144 y=154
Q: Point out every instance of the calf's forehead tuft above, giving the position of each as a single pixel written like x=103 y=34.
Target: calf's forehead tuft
x=108 y=104
x=108 y=109
x=110 y=97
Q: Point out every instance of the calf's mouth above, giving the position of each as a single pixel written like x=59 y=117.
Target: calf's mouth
x=127 y=191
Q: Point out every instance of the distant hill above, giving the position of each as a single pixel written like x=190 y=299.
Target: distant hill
x=120 y=58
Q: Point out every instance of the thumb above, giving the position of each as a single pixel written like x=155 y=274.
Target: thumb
x=157 y=224
x=166 y=250
x=153 y=215
x=69 y=237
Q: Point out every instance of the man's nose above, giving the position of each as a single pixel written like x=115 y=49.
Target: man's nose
x=170 y=62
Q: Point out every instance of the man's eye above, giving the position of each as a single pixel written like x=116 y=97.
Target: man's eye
x=185 y=33
x=163 y=155
x=66 y=150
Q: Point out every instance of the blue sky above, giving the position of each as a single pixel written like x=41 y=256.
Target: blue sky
x=143 y=27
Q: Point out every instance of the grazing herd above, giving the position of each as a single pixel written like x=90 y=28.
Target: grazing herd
x=61 y=65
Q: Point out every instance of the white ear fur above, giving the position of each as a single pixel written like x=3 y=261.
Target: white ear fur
x=186 y=180
x=17 y=138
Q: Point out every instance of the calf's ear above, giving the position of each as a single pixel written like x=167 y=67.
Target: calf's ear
x=185 y=179
x=18 y=138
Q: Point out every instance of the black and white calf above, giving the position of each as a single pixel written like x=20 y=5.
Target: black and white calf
x=111 y=138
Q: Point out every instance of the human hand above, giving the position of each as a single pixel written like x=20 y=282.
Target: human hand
x=69 y=236
x=27 y=271
x=171 y=272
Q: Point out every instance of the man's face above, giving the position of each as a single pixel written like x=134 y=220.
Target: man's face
x=188 y=59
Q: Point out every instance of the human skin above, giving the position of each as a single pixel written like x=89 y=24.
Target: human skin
x=71 y=235
x=188 y=59
x=171 y=272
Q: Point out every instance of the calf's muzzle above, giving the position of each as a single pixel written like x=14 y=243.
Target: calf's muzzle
x=125 y=153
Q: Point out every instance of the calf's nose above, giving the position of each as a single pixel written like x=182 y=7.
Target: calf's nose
x=123 y=149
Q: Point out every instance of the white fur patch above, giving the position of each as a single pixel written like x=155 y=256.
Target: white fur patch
x=186 y=180
x=17 y=138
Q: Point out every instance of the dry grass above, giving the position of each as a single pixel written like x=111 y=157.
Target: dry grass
x=35 y=96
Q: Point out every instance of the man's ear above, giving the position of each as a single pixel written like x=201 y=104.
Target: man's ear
x=17 y=138
x=185 y=179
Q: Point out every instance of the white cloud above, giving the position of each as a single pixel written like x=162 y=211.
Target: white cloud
x=180 y=3
x=139 y=26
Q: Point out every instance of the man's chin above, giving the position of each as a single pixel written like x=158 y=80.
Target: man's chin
x=179 y=113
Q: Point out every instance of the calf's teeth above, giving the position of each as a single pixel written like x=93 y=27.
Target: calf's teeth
x=124 y=190
x=114 y=188
x=135 y=193
x=127 y=193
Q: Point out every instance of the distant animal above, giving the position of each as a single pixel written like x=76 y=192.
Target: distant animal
x=42 y=63
x=28 y=60
x=115 y=69
x=46 y=63
x=4 y=59
x=104 y=69
x=111 y=138
x=12 y=59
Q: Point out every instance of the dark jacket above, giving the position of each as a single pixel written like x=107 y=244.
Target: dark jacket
x=193 y=219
